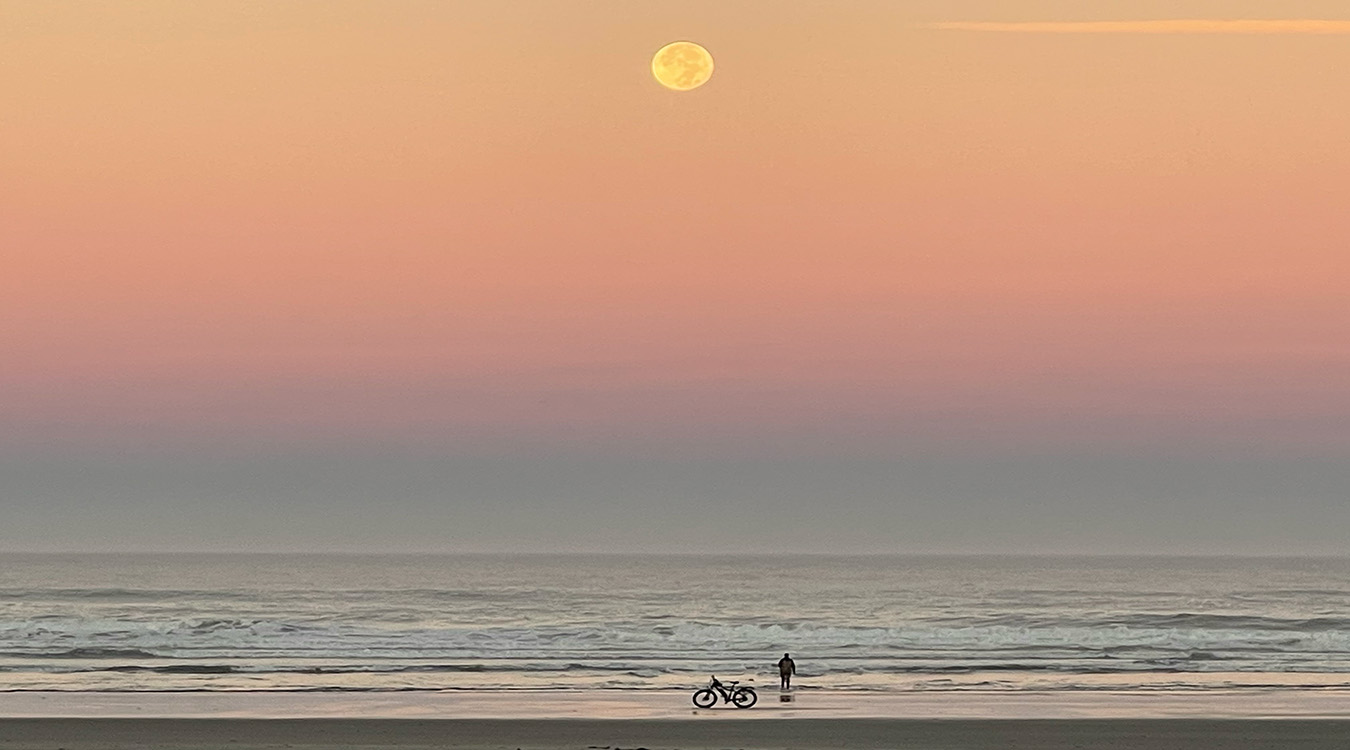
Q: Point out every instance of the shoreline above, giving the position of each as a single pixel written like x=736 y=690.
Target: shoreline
x=686 y=734
x=1246 y=704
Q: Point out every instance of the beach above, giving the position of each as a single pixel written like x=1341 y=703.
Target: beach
x=596 y=734
x=617 y=720
x=1275 y=704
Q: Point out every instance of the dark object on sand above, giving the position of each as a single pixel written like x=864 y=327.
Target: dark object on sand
x=786 y=668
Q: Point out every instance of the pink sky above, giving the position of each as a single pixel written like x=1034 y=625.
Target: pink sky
x=408 y=221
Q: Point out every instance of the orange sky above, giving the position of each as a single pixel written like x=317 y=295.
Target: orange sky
x=484 y=221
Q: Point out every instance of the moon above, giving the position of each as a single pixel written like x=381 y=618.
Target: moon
x=682 y=66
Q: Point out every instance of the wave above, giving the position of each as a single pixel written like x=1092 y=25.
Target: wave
x=1177 y=620
x=86 y=653
x=176 y=669
x=120 y=594
x=1191 y=663
x=931 y=686
x=419 y=631
x=1198 y=621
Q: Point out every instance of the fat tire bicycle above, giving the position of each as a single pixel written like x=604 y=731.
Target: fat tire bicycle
x=740 y=697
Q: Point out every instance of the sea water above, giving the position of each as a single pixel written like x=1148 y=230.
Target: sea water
x=888 y=624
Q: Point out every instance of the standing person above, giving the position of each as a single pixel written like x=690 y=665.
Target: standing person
x=786 y=668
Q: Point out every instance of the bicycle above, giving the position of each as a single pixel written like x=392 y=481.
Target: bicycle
x=740 y=697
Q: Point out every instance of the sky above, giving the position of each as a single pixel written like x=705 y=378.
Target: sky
x=1007 y=276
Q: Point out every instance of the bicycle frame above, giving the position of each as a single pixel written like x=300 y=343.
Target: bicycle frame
x=725 y=690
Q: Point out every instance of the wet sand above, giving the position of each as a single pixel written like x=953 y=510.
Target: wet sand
x=1277 y=703
x=663 y=720
x=689 y=734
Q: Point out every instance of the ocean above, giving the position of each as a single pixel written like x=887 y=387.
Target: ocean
x=568 y=623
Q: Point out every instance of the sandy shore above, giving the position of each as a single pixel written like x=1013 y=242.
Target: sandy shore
x=690 y=734
x=662 y=720
x=1280 y=704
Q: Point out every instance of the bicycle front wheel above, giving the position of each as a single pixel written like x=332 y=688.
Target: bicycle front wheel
x=704 y=698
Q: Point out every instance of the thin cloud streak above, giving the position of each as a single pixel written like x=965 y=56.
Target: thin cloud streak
x=1168 y=26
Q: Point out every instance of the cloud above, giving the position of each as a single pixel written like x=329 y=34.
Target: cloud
x=1171 y=26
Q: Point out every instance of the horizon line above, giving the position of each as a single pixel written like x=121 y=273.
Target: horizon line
x=599 y=553
x=1251 y=26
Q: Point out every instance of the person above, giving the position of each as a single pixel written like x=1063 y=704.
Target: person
x=786 y=668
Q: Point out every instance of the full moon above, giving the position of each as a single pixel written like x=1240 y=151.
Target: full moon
x=682 y=66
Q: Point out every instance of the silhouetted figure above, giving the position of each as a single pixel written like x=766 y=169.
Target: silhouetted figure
x=786 y=668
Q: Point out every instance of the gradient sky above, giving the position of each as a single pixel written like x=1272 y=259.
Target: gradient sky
x=969 y=275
